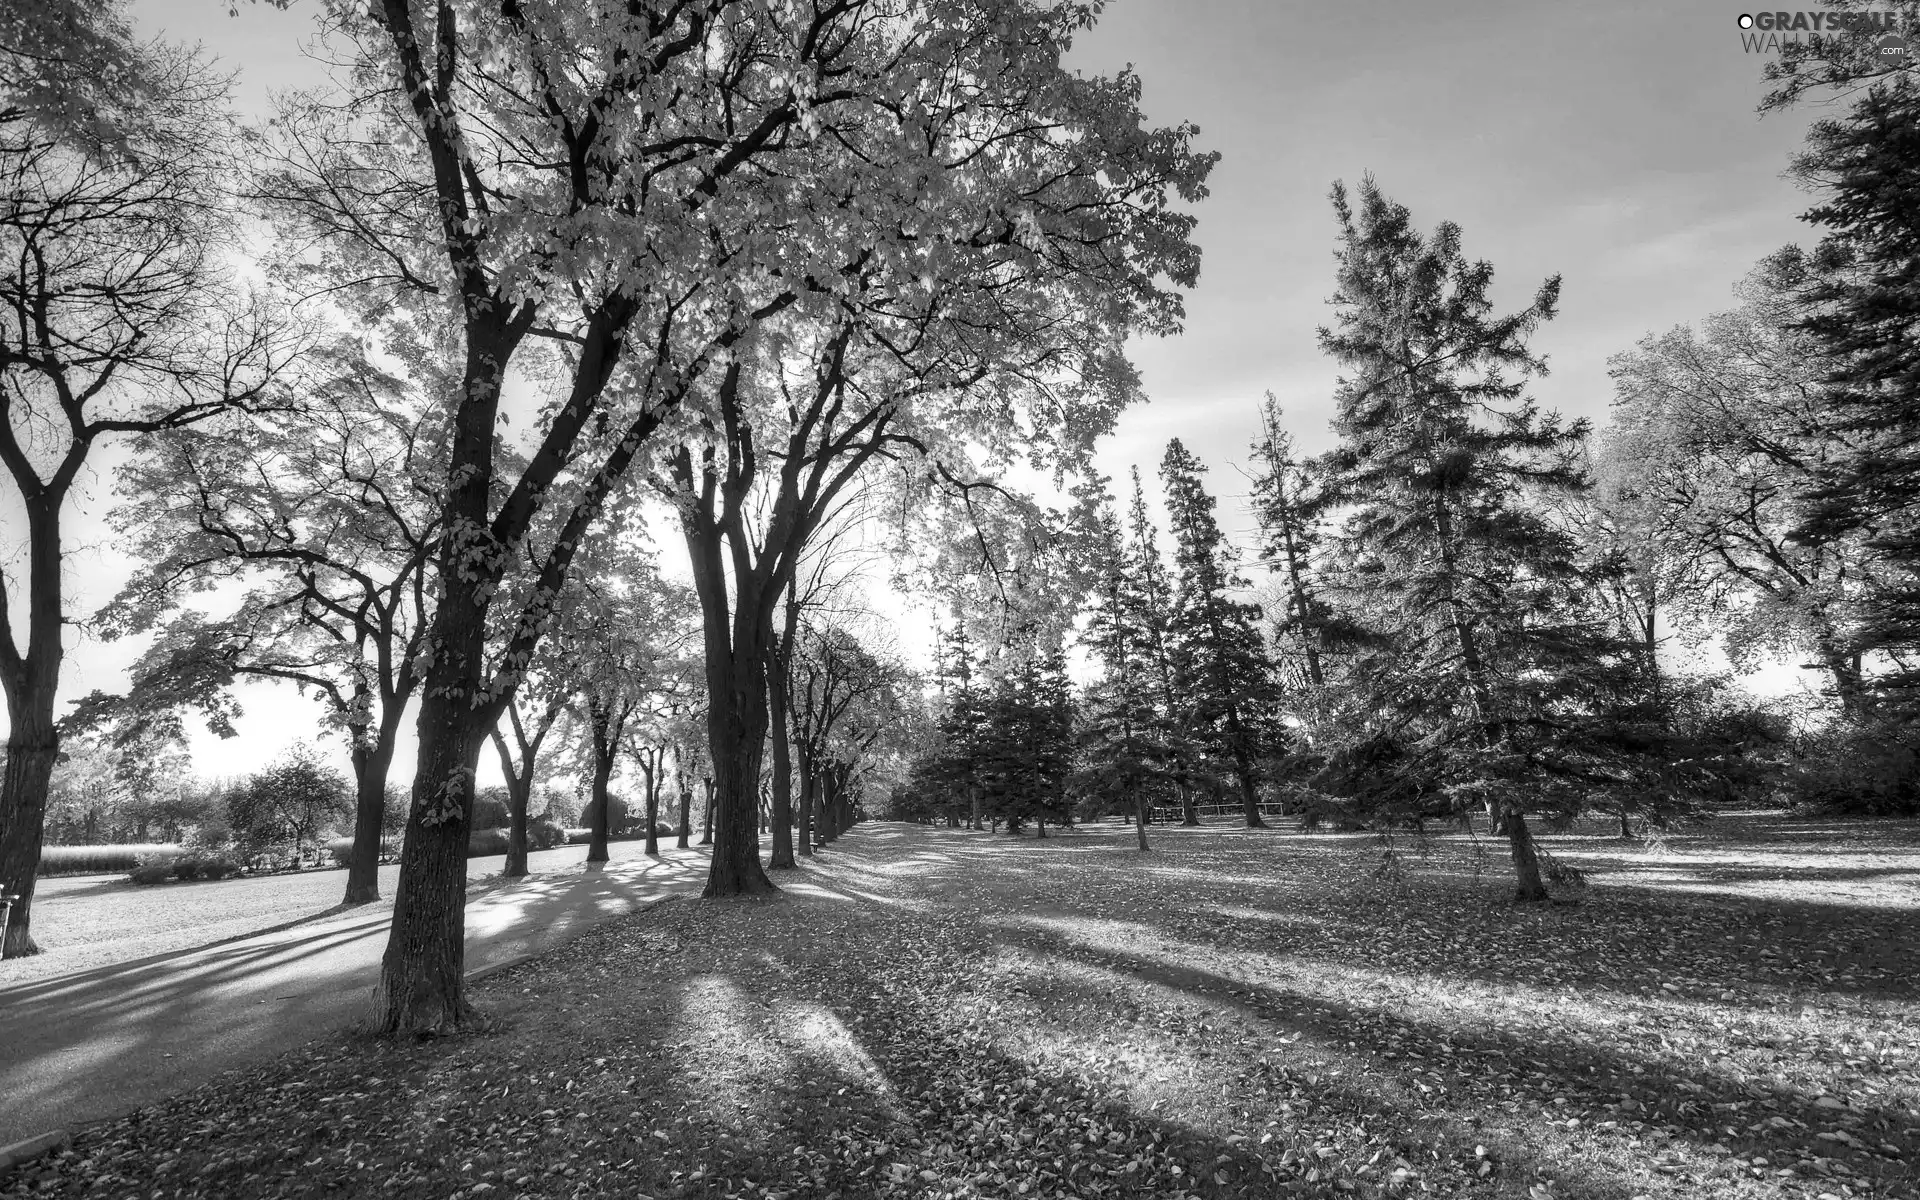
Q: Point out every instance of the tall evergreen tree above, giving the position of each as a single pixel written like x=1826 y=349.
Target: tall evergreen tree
x=1865 y=316
x=1122 y=755
x=1489 y=665
x=1290 y=503
x=1221 y=676
x=1155 y=595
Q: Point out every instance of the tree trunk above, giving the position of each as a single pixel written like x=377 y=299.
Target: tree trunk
x=370 y=767
x=519 y=799
x=32 y=746
x=421 y=986
x=603 y=805
x=1140 y=818
x=654 y=770
x=806 y=832
x=685 y=825
x=1526 y=864
x=781 y=857
x=1188 y=809
x=706 y=820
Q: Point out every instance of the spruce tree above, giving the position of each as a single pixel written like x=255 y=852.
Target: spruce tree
x=1489 y=663
x=1122 y=756
x=1155 y=599
x=1221 y=676
x=1290 y=503
x=1865 y=315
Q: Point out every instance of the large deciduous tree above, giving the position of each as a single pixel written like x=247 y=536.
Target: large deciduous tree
x=1716 y=442
x=642 y=186
x=119 y=317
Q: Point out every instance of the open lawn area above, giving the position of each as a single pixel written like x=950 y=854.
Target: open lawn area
x=931 y=1013
x=83 y=922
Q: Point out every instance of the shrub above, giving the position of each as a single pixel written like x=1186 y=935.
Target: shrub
x=1864 y=768
x=579 y=837
x=490 y=810
x=186 y=868
x=151 y=873
x=340 y=850
x=544 y=833
x=218 y=866
x=99 y=860
x=483 y=843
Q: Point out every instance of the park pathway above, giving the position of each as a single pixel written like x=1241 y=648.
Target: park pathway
x=95 y=1044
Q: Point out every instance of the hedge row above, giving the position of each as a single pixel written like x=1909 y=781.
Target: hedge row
x=100 y=860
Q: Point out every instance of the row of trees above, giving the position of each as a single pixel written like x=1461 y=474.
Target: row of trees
x=1467 y=597
x=529 y=266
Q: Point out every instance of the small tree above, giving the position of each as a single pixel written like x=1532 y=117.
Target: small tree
x=298 y=799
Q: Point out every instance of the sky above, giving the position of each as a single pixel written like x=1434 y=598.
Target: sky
x=1615 y=144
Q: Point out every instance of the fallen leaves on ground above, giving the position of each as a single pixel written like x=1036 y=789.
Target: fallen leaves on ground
x=933 y=1013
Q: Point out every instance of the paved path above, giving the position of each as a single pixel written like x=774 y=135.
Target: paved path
x=92 y=1045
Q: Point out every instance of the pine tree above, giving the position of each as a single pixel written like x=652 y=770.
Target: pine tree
x=1155 y=600
x=1290 y=502
x=1221 y=677
x=1865 y=315
x=1124 y=758
x=1495 y=686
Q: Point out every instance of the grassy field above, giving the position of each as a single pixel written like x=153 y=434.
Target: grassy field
x=936 y=1013
x=86 y=921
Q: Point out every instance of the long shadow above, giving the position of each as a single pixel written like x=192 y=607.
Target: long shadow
x=1331 y=1022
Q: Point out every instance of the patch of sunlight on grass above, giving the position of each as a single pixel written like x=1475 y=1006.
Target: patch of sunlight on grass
x=1269 y=916
x=1216 y=877
x=816 y=891
x=724 y=1055
x=824 y=1040
x=1900 y=892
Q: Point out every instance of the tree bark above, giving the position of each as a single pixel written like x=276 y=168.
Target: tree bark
x=421 y=988
x=603 y=809
x=1140 y=818
x=1526 y=864
x=706 y=820
x=781 y=857
x=1189 y=814
x=371 y=765
x=31 y=683
x=685 y=828
x=653 y=768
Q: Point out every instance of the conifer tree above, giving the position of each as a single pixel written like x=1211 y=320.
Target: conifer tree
x=1865 y=307
x=1123 y=758
x=1290 y=502
x=1493 y=687
x=1221 y=678
x=1155 y=590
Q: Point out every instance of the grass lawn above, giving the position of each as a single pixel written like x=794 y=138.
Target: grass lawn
x=87 y=921
x=936 y=1013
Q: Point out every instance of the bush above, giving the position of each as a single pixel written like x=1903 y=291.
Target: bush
x=544 y=833
x=218 y=866
x=490 y=809
x=1865 y=768
x=663 y=830
x=99 y=860
x=483 y=843
x=579 y=837
x=151 y=874
x=186 y=868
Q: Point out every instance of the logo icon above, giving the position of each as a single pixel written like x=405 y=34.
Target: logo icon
x=1890 y=51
